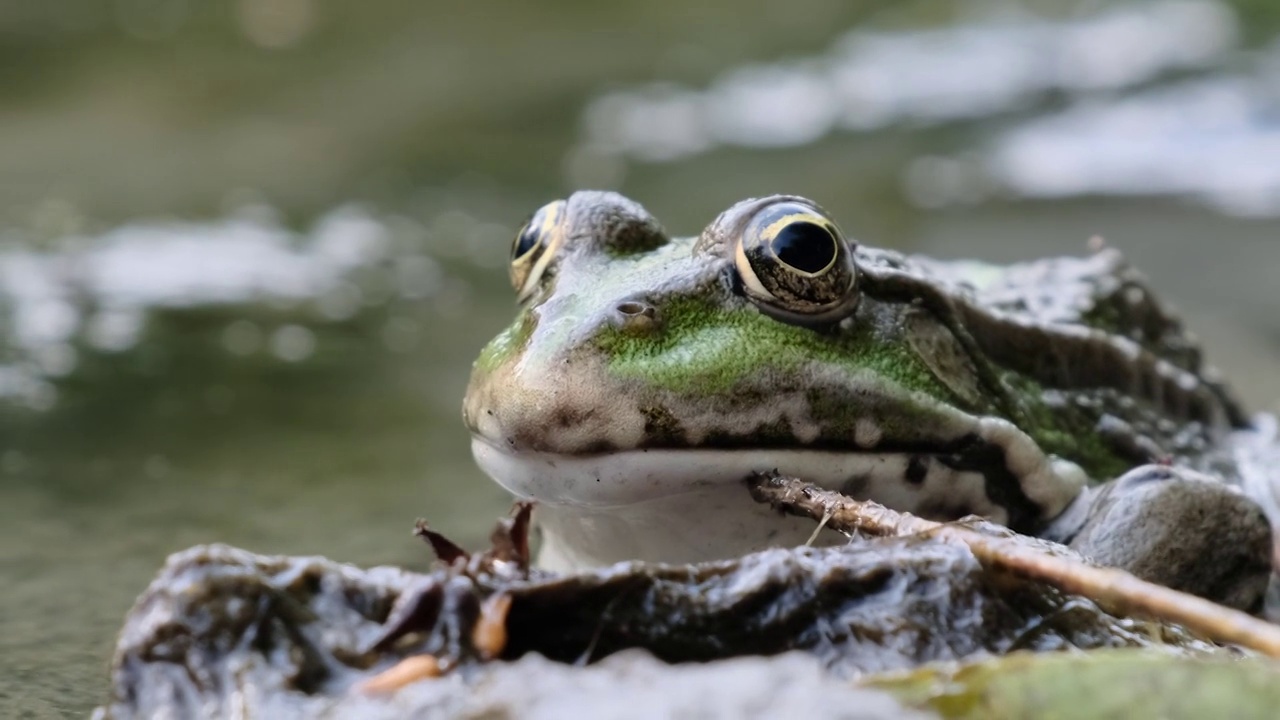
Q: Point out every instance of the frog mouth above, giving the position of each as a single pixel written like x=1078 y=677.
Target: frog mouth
x=911 y=482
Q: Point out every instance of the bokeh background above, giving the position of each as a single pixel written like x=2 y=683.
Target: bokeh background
x=249 y=248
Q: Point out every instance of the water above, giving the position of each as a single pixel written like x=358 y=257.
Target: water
x=246 y=257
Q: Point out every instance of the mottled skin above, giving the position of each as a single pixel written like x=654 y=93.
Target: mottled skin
x=644 y=375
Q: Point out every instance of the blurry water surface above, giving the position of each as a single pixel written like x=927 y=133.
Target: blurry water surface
x=249 y=249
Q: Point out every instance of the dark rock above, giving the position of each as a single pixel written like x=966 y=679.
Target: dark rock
x=223 y=630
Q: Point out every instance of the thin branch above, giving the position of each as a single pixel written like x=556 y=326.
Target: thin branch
x=1114 y=590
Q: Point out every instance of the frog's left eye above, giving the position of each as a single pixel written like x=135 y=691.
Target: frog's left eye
x=795 y=264
x=534 y=246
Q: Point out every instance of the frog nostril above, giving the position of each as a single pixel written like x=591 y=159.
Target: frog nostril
x=636 y=316
x=632 y=308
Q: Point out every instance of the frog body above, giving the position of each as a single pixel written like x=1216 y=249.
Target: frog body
x=645 y=376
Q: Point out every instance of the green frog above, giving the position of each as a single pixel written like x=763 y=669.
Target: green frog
x=645 y=376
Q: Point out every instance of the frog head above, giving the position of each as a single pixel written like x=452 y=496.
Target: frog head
x=646 y=376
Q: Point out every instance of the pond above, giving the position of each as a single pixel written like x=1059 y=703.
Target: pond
x=249 y=250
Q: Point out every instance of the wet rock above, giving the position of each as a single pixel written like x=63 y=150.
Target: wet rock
x=223 y=630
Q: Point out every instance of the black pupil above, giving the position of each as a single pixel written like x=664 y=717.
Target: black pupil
x=525 y=241
x=805 y=246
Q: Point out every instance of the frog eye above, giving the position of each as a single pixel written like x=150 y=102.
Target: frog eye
x=534 y=246
x=795 y=264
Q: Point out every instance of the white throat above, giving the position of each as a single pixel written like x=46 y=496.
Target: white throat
x=692 y=505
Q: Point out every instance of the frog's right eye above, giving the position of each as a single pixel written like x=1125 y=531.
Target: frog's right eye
x=534 y=246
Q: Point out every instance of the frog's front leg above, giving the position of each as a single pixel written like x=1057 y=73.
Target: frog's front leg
x=1175 y=527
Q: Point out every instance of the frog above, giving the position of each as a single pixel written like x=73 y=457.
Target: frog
x=646 y=375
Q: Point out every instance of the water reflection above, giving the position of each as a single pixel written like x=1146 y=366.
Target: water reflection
x=872 y=79
x=1215 y=137
x=1216 y=140
x=100 y=289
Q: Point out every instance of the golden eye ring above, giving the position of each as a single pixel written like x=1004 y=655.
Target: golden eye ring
x=534 y=246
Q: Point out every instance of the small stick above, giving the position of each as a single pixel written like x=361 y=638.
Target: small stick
x=1114 y=590
x=407 y=671
x=489 y=636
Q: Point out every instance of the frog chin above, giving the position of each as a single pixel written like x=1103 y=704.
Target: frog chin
x=690 y=505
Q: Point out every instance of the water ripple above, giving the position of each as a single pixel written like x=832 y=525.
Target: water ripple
x=100 y=289
x=872 y=79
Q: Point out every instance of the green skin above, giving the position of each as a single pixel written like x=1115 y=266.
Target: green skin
x=643 y=374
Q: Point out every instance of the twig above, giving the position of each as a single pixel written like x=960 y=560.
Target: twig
x=1114 y=590
x=407 y=671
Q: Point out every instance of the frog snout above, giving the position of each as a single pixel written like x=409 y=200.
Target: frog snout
x=553 y=415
